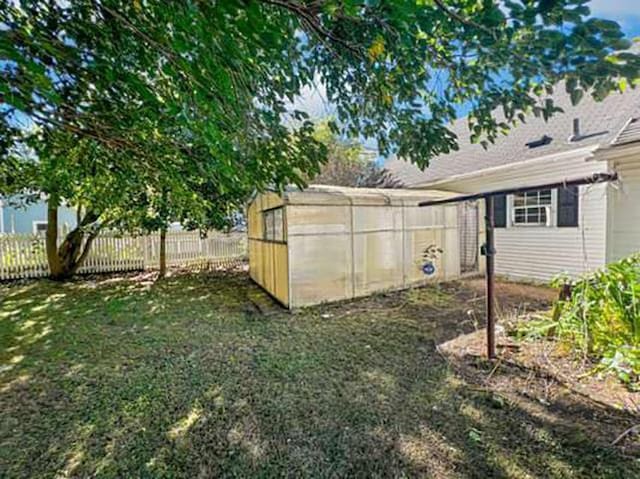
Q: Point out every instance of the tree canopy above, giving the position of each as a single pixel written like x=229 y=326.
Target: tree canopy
x=106 y=101
x=148 y=76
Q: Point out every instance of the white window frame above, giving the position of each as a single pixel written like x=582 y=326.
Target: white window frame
x=35 y=225
x=550 y=211
x=1 y=217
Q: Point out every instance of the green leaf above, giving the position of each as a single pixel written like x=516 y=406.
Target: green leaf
x=576 y=96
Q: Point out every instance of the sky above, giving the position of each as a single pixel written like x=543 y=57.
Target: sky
x=625 y=12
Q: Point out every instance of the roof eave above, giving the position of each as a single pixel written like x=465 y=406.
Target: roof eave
x=586 y=153
x=612 y=152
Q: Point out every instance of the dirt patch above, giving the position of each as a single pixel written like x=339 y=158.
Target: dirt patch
x=551 y=359
x=542 y=370
x=514 y=292
x=541 y=376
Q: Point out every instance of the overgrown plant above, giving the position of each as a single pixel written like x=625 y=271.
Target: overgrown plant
x=601 y=318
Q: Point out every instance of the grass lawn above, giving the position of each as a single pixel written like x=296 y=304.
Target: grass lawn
x=188 y=378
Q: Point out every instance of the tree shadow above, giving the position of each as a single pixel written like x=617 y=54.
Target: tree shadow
x=180 y=379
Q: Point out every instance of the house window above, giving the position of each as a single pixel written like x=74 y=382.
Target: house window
x=39 y=227
x=532 y=207
x=273 y=228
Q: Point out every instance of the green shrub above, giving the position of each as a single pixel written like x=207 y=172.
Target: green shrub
x=601 y=319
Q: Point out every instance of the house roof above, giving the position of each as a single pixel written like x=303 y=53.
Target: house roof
x=615 y=120
x=629 y=134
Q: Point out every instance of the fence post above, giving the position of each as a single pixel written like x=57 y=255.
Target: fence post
x=147 y=246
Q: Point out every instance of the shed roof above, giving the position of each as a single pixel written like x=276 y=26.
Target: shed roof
x=601 y=124
x=344 y=196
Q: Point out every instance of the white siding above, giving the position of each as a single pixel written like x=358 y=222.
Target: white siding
x=541 y=252
x=624 y=209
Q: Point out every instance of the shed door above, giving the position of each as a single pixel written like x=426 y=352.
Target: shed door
x=468 y=231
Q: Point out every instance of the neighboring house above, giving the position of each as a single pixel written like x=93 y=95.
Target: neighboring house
x=543 y=233
x=16 y=218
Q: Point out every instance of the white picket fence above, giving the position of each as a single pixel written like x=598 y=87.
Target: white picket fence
x=24 y=256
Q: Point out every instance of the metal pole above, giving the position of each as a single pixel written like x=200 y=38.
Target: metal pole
x=489 y=252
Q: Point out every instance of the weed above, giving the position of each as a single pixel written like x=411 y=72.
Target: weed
x=600 y=318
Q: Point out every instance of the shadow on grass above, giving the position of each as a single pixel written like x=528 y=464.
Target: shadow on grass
x=182 y=378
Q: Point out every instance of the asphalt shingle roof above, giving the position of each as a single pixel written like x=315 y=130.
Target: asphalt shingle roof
x=630 y=133
x=601 y=123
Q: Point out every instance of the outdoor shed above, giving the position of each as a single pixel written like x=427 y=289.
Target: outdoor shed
x=330 y=243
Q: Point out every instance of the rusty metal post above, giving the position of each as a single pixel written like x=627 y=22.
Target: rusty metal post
x=489 y=252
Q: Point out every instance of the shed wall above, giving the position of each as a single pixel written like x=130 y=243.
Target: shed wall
x=339 y=252
x=268 y=260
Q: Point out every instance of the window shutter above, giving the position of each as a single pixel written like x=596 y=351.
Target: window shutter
x=568 y=206
x=500 y=211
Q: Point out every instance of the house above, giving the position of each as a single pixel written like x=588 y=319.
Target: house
x=540 y=234
x=16 y=217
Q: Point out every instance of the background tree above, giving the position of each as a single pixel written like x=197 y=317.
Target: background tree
x=193 y=202
x=151 y=212
x=127 y=95
x=349 y=163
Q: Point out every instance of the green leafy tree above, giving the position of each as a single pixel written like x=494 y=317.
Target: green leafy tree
x=82 y=174
x=152 y=211
x=349 y=163
x=192 y=201
x=146 y=92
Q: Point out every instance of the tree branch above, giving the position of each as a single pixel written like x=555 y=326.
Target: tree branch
x=308 y=16
x=170 y=56
x=459 y=18
x=85 y=252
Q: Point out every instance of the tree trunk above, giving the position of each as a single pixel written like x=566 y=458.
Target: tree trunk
x=56 y=268
x=65 y=260
x=163 y=252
